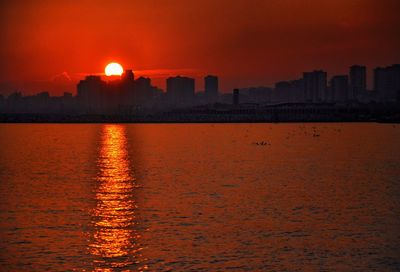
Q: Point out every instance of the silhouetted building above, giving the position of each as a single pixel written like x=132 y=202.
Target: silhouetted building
x=339 y=86
x=236 y=97
x=180 y=90
x=387 y=82
x=142 y=91
x=122 y=95
x=91 y=93
x=211 y=87
x=128 y=76
x=315 y=86
x=358 y=81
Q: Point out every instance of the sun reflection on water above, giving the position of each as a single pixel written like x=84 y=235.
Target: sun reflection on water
x=114 y=243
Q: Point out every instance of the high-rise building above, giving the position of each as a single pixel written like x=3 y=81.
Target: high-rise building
x=358 y=81
x=315 y=86
x=128 y=76
x=142 y=90
x=180 y=90
x=340 y=88
x=89 y=86
x=91 y=92
x=387 y=82
x=126 y=87
x=211 y=87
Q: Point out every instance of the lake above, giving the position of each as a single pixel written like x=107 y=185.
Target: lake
x=200 y=197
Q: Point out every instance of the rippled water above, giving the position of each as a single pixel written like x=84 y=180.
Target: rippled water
x=200 y=197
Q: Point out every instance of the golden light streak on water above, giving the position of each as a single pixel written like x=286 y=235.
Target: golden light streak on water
x=115 y=238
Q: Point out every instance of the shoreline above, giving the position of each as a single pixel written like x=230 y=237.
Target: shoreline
x=17 y=119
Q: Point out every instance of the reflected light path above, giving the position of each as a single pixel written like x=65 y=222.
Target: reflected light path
x=114 y=242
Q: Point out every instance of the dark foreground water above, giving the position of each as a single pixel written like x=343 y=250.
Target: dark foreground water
x=201 y=197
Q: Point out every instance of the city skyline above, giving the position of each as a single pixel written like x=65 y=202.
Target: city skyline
x=64 y=82
x=313 y=96
x=257 y=43
x=358 y=76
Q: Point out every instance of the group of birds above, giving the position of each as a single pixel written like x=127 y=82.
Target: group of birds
x=302 y=130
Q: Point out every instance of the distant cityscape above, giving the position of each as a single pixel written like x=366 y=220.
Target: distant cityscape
x=310 y=96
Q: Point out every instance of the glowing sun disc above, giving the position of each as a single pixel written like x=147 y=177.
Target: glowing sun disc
x=113 y=69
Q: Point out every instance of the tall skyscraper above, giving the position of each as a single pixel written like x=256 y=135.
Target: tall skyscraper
x=91 y=92
x=358 y=81
x=180 y=90
x=128 y=75
x=143 y=90
x=315 y=86
x=387 y=82
x=340 y=88
x=127 y=87
x=211 y=87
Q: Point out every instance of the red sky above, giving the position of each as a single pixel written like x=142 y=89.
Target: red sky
x=50 y=45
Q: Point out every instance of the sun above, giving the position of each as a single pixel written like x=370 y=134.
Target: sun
x=113 y=69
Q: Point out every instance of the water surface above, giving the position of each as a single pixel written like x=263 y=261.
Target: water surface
x=211 y=197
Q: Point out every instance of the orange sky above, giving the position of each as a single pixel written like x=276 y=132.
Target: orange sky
x=50 y=45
